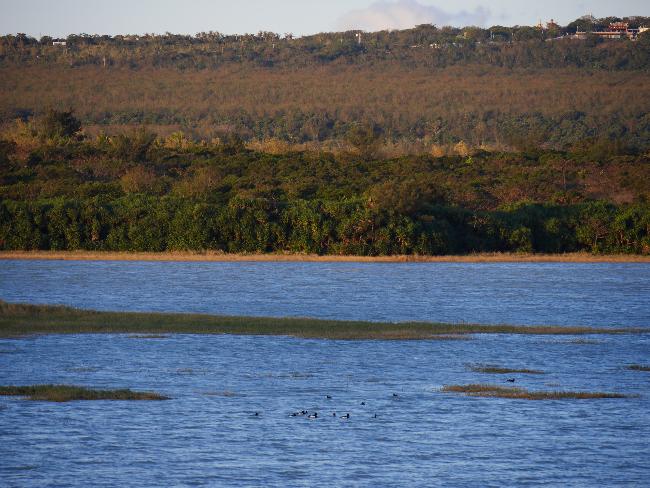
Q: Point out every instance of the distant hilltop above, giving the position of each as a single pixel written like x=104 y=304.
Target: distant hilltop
x=607 y=27
x=546 y=45
x=439 y=90
x=615 y=30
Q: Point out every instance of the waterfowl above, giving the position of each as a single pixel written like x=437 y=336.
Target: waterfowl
x=329 y=397
x=313 y=415
x=334 y=414
x=363 y=403
x=395 y=395
x=346 y=416
x=510 y=380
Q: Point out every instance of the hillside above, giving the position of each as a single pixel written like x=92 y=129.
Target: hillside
x=426 y=141
x=419 y=90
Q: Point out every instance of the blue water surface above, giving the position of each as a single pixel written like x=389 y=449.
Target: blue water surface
x=490 y=293
x=208 y=433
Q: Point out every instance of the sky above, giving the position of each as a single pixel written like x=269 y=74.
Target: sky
x=59 y=18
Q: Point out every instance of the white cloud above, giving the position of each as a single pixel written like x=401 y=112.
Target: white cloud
x=403 y=14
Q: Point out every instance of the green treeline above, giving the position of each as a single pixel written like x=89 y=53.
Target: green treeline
x=146 y=223
x=139 y=192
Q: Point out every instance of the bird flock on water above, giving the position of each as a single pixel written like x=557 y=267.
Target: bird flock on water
x=313 y=415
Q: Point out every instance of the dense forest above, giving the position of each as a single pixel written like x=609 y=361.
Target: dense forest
x=424 y=141
x=137 y=191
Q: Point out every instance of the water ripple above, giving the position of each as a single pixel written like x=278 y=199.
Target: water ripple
x=593 y=294
x=208 y=433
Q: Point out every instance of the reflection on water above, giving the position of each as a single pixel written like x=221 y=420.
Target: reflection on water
x=208 y=434
x=514 y=293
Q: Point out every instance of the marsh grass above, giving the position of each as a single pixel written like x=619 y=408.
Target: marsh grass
x=638 y=367
x=494 y=369
x=24 y=320
x=495 y=391
x=66 y=393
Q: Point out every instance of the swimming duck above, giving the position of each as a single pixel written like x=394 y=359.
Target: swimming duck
x=363 y=403
x=329 y=397
x=346 y=416
x=395 y=395
x=510 y=380
x=313 y=415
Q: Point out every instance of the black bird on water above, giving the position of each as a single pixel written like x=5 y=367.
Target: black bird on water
x=510 y=380
x=395 y=395
x=313 y=415
x=346 y=416
x=329 y=397
x=363 y=403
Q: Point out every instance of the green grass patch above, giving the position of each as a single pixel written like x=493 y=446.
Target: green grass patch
x=22 y=319
x=67 y=393
x=495 y=391
x=494 y=369
x=638 y=367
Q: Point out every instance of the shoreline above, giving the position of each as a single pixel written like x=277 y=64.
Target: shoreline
x=212 y=256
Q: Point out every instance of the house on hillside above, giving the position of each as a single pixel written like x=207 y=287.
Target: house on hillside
x=616 y=30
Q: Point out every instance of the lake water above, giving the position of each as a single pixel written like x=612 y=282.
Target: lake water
x=604 y=295
x=209 y=435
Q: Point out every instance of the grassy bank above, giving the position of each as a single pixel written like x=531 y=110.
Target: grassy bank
x=21 y=319
x=494 y=391
x=67 y=393
x=222 y=257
